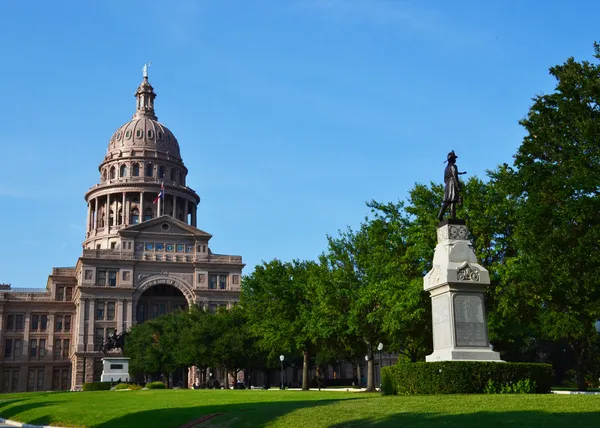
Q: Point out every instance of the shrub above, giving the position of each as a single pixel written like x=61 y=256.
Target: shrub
x=155 y=385
x=130 y=386
x=465 y=377
x=97 y=386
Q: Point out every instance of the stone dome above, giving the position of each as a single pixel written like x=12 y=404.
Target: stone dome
x=144 y=131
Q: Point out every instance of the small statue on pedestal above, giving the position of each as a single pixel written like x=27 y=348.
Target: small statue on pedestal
x=452 y=191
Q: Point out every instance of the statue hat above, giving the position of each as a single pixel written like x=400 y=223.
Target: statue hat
x=451 y=155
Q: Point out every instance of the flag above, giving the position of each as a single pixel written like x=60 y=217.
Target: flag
x=161 y=194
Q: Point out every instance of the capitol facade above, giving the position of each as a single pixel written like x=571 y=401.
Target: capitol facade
x=143 y=256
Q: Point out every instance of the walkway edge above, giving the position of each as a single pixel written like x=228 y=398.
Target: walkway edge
x=22 y=425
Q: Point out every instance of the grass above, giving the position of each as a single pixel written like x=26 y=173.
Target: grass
x=173 y=408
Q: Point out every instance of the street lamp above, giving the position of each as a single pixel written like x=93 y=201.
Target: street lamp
x=380 y=348
x=281 y=358
x=367 y=368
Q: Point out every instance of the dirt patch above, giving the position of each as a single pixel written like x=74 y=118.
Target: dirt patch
x=201 y=420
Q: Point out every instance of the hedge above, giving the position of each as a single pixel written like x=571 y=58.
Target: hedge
x=461 y=377
x=155 y=385
x=97 y=386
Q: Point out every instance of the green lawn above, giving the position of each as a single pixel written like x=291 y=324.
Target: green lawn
x=173 y=408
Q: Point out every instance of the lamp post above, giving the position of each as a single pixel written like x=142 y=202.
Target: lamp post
x=367 y=368
x=380 y=348
x=281 y=358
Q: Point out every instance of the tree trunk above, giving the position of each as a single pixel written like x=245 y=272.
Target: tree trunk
x=370 y=374
x=359 y=377
x=305 y=382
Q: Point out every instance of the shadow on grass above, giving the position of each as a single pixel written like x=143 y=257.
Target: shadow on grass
x=479 y=420
x=250 y=414
x=8 y=410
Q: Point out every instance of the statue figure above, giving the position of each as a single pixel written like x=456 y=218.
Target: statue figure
x=452 y=192
x=145 y=69
x=114 y=341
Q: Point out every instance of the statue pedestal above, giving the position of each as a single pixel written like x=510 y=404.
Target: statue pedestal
x=456 y=284
x=115 y=369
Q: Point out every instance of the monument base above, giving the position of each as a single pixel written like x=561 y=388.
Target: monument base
x=464 y=354
x=115 y=369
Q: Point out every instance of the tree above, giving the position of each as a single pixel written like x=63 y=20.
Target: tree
x=279 y=300
x=556 y=185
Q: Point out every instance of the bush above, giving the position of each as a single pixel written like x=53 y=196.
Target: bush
x=465 y=377
x=97 y=386
x=155 y=385
x=130 y=386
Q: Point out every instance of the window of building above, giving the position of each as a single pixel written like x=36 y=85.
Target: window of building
x=148 y=214
x=55 y=379
x=43 y=323
x=58 y=323
x=10 y=322
x=128 y=134
x=30 y=379
x=65 y=385
x=101 y=277
x=60 y=294
x=212 y=282
x=112 y=278
x=32 y=348
x=110 y=311
x=161 y=171
x=123 y=172
x=222 y=282
x=42 y=348
x=139 y=133
x=68 y=294
x=8 y=348
x=160 y=135
x=173 y=173
x=135 y=170
x=149 y=170
x=113 y=245
x=235 y=279
x=66 y=347
x=126 y=275
x=18 y=347
x=150 y=134
x=113 y=173
x=19 y=322
x=88 y=274
x=57 y=348
x=67 y=323
x=35 y=322
x=135 y=216
x=98 y=338
x=100 y=311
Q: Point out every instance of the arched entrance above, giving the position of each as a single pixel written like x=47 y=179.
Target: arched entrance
x=159 y=300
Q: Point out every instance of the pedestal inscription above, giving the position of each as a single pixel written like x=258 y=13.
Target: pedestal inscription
x=469 y=321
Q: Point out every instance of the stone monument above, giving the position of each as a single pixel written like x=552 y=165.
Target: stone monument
x=456 y=284
x=115 y=369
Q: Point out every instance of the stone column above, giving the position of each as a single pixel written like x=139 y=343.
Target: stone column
x=80 y=314
x=129 y=322
x=26 y=326
x=119 y=309
x=187 y=212
x=123 y=221
x=107 y=215
x=141 y=207
x=95 y=213
x=456 y=284
x=91 y=329
x=174 y=206
x=89 y=216
x=127 y=210
x=194 y=219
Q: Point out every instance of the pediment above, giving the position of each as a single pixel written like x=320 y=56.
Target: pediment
x=165 y=225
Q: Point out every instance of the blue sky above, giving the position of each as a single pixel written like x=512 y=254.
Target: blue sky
x=290 y=114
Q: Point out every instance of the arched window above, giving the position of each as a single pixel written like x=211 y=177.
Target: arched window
x=123 y=171
x=103 y=175
x=161 y=171
x=135 y=170
x=120 y=216
x=181 y=180
x=135 y=216
x=148 y=214
x=111 y=218
x=149 y=170
x=113 y=173
x=173 y=174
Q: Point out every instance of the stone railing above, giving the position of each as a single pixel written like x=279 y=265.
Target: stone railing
x=105 y=254
x=63 y=271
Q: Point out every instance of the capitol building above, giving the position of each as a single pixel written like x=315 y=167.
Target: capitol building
x=143 y=256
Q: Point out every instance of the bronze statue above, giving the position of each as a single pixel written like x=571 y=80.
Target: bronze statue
x=452 y=192
x=115 y=341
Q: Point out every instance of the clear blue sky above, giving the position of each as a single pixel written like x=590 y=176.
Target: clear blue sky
x=290 y=113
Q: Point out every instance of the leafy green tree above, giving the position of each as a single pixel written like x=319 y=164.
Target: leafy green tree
x=279 y=300
x=556 y=185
